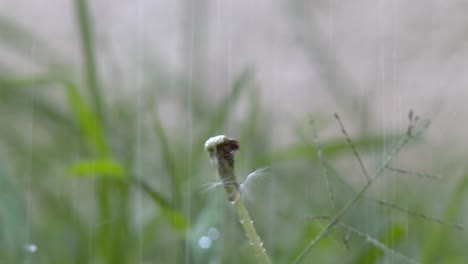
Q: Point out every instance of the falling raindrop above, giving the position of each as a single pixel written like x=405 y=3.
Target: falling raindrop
x=204 y=242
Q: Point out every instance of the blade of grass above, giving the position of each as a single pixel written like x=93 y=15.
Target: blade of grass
x=169 y=160
x=107 y=168
x=220 y=115
x=90 y=126
x=20 y=40
x=62 y=215
x=175 y=217
x=14 y=95
x=432 y=250
x=13 y=219
x=332 y=148
x=87 y=46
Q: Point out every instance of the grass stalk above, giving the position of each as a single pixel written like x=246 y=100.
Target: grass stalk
x=87 y=45
x=411 y=132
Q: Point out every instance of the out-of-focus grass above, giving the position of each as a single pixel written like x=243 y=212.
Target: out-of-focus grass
x=90 y=177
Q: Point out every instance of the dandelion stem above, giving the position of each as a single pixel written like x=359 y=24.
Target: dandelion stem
x=247 y=224
x=221 y=150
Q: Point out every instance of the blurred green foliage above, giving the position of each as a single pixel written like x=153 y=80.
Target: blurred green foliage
x=90 y=177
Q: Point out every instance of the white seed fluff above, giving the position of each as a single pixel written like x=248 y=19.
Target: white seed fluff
x=214 y=141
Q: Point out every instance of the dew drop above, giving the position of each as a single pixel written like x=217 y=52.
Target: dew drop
x=204 y=242
x=251 y=221
x=31 y=248
x=232 y=202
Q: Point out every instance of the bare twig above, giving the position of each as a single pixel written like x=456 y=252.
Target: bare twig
x=353 y=147
x=375 y=242
x=423 y=175
x=387 y=161
x=323 y=167
x=331 y=195
x=409 y=212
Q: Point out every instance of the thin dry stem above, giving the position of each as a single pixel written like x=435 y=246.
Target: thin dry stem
x=422 y=175
x=375 y=242
x=322 y=165
x=331 y=195
x=409 y=212
x=387 y=161
x=353 y=147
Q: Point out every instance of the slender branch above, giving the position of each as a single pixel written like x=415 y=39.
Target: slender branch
x=410 y=133
x=322 y=165
x=423 y=175
x=375 y=242
x=426 y=217
x=331 y=195
x=353 y=147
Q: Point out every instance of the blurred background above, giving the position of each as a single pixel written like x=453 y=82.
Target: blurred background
x=105 y=107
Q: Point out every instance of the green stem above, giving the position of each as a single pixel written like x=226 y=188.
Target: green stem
x=87 y=45
x=247 y=224
x=221 y=150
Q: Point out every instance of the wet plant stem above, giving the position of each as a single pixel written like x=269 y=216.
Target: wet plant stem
x=336 y=219
x=221 y=150
x=247 y=224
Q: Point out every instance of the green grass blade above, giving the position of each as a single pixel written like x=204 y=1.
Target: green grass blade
x=105 y=168
x=15 y=95
x=90 y=125
x=13 y=219
x=20 y=40
x=87 y=45
x=220 y=115
x=169 y=160
x=432 y=250
x=175 y=217
x=331 y=148
x=60 y=216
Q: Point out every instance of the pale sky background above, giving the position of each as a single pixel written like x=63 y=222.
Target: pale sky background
x=395 y=55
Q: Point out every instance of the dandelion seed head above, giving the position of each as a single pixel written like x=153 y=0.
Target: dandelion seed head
x=212 y=142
